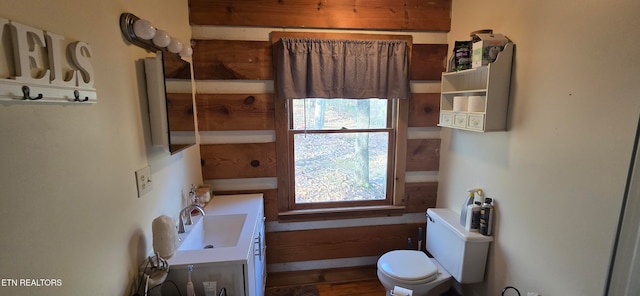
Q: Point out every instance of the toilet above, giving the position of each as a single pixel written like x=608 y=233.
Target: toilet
x=458 y=255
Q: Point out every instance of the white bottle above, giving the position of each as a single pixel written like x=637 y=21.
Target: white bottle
x=472 y=221
x=465 y=205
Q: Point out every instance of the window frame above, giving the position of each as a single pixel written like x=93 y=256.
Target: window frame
x=391 y=152
x=284 y=143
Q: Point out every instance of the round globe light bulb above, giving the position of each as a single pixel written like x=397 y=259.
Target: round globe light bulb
x=175 y=46
x=144 y=29
x=162 y=38
x=186 y=51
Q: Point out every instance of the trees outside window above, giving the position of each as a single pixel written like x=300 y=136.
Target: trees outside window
x=342 y=152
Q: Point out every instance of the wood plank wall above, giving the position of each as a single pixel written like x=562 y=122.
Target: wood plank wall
x=434 y=15
x=239 y=61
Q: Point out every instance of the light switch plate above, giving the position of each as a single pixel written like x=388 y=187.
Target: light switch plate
x=143 y=180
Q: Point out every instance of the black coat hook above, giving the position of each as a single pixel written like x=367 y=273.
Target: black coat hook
x=26 y=96
x=76 y=94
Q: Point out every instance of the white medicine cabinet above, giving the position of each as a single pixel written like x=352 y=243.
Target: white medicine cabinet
x=488 y=86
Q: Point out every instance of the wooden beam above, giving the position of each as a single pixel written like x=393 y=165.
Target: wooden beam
x=228 y=59
x=428 y=61
x=412 y=15
x=227 y=161
x=217 y=112
x=424 y=110
x=420 y=196
x=334 y=243
x=423 y=155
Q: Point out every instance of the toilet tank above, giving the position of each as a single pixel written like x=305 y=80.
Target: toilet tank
x=462 y=253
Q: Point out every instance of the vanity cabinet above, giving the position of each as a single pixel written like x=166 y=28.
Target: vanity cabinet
x=240 y=269
x=256 y=266
x=248 y=278
x=491 y=83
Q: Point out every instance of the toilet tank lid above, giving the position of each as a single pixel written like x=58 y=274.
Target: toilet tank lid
x=452 y=221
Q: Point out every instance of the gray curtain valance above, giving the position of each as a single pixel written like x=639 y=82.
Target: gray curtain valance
x=353 y=69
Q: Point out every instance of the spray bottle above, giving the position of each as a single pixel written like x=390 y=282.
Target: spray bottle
x=467 y=202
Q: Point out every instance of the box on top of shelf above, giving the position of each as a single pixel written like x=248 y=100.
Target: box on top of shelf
x=486 y=50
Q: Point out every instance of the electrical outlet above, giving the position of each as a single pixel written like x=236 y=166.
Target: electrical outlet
x=143 y=180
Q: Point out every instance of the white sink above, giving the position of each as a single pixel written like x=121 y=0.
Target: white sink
x=214 y=231
x=224 y=234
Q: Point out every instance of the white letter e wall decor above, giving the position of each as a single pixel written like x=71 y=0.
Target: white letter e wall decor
x=41 y=72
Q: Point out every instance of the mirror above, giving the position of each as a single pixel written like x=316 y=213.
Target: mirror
x=171 y=111
x=182 y=128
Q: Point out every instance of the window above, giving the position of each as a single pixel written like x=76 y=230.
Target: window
x=342 y=152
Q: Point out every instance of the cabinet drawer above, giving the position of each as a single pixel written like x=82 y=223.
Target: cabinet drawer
x=460 y=120
x=475 y=122
x=446 y=118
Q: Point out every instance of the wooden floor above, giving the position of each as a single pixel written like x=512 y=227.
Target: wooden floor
x=358 y=288
x=356 y=281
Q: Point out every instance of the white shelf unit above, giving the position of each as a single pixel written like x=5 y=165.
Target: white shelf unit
x=492 y=81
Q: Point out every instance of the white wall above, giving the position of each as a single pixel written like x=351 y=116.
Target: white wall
x=558 y=174
x=68 y=203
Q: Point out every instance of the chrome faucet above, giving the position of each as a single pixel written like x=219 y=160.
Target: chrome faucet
x=187 y=210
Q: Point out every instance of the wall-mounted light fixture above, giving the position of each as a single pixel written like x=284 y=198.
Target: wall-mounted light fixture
x=142 y=33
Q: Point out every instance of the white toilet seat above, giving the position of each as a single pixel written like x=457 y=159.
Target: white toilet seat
x=408 y=267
